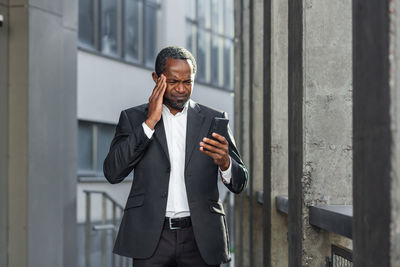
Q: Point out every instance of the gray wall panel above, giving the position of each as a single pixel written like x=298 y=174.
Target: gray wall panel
x=46 y=156
x=3 y=136
x=16 y=2
x=69 y=146
x=70 y=14
x=18 y=136
x=52 y=6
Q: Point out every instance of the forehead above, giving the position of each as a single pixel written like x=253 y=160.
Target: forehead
x=179 y=67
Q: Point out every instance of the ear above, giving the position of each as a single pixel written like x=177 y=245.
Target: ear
x=155 y=77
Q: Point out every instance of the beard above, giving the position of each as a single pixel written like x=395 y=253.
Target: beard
x=175 y=103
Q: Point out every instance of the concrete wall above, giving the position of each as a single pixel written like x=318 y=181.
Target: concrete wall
x=41 y=133
x=322 y=95
x=327 y=120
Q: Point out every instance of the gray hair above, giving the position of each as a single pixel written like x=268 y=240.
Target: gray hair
x=175 y=52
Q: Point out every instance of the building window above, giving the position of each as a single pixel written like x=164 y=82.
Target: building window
x=94 y=141
x=210 y=36
x=123 y=29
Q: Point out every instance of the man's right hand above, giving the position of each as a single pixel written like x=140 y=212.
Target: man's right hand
x=155 y=102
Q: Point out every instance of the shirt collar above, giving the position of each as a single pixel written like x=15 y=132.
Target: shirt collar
x=166 y=110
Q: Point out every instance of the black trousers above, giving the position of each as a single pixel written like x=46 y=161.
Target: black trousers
x=176 y=248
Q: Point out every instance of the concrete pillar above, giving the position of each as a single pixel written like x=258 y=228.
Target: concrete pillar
x=320 y=122
x=376 y=184
x=395 y=129
x=256 y=137
x=279 y=129
x=249 y=131
x=243 y=239
x=40 y=133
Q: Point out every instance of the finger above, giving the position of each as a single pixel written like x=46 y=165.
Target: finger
x=216 y=143
x=160 y=92
x=213 y=149
x=155 y=90
x=209 y=153
x=220 y=138
x=158 y=88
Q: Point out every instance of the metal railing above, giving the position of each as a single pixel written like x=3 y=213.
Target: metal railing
x=103 y=227
x=340 y=257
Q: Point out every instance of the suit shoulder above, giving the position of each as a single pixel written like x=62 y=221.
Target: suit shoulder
x=211 y=111
x=137 y=109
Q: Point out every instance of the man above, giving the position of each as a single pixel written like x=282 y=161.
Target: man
x=173 y=216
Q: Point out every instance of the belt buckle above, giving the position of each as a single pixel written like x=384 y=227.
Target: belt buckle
x=170 y=224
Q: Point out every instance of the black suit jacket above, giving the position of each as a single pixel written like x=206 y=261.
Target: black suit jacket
x=145 y=209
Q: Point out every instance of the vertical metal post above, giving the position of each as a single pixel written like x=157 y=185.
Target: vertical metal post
x=87 y=230
x=103 y=233
x=267 y=136
x=114 y=220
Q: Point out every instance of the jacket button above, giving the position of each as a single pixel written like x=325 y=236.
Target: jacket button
x=168 y=170
x=164 y=194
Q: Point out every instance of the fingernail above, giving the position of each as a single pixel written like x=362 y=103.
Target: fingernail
x=204 y=139
x=201 y=143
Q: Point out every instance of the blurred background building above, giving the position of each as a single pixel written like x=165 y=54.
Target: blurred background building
x=313 y=99
x=117 y=46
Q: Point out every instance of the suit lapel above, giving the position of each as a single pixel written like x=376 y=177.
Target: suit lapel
x=161 y=137
x=195 y=121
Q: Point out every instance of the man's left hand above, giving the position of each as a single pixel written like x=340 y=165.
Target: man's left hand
x=217 y=149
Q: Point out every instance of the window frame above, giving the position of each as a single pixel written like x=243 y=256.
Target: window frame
x=120 y=55
x=214 y=34
x=94 y=172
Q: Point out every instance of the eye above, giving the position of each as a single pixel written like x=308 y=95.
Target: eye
x=188 y=82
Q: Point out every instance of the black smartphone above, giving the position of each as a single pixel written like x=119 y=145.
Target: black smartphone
x=219 y=126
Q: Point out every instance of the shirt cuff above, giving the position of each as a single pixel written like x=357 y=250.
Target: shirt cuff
x=149 y=132
x=227 y=174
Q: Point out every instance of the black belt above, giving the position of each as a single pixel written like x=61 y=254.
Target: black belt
x=177 y=223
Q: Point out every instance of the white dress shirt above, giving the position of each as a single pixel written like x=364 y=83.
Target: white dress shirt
x=175 y=131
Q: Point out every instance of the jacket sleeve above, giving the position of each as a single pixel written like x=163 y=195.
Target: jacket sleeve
x=240 y=174
x=126 y=150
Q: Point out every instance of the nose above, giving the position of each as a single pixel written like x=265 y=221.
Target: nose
x=180 y=88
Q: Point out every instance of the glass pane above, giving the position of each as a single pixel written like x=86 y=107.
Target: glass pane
x=228 y=64
x=191 y=37
x=86 y=17
x=221 y=13
x=221 y=61
x=85 y=147
x=105 y=134
x=109 y=27
x=214 y=61
x=132 y=29
x=217 y=11
x=150 y=35
x=203 y=55
x=229 y=19
x=204 y=13
x=191 y=9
